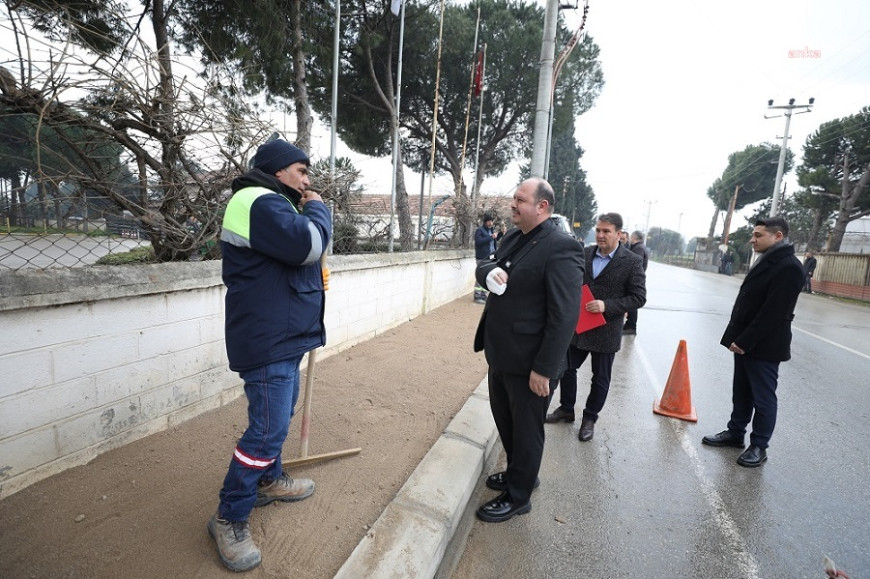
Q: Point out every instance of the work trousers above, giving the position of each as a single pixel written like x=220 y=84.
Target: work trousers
x=272 y=392
x=754 y=389
x=519 y=417
x=602 y=367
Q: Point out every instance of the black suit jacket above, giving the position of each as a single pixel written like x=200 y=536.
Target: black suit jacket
x=530 y=326
x=764 y=309
x=621 y=285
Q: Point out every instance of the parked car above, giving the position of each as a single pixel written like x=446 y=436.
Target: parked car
x=563 y=224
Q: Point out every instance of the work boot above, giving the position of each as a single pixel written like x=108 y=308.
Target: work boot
x=235 y=545
x=284 y=489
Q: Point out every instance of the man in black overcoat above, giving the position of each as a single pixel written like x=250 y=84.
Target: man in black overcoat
x=759 y=335
x=535 y=279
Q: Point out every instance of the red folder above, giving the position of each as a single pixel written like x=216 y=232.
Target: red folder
x=588 y=320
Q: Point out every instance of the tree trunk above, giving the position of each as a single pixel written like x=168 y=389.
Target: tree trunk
x=848 y=201
x=170 y=182
x=818 y=220
x=43 y=203
x=713 y=226
x=304 y=120
x=726 y=230
x=17 y=212
x=403 y=209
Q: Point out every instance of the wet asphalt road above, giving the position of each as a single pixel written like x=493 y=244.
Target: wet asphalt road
x=645 y=498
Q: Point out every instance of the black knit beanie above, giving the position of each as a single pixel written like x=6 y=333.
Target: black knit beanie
x=275 y=155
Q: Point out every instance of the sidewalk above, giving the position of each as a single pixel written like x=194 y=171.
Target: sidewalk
x=410 y=537
x=412 y=398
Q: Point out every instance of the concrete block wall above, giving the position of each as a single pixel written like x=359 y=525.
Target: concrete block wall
x=94 y=358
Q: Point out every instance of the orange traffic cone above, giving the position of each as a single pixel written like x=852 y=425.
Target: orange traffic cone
x=676 y=401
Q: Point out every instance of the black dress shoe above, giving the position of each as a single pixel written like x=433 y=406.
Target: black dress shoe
x=501 y=509
x=629 y=331
x=559 y=415
x=497 y=482
x=587 y=430
x=752 y=457
x=724 y=438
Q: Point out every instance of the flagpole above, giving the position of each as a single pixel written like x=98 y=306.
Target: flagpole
x=396 y=130
x=468 y=107
x=435 y=119
x=332 y=121
x=479 y=125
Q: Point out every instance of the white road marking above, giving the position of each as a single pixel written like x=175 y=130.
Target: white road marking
x=816 y=336
x=746 y=565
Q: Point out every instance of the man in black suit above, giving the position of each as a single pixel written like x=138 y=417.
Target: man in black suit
x=759 y=334
x=636 y=246
x=534 y=278
x=617 y=281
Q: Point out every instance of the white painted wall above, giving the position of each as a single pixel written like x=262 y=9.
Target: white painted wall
x=94 y=358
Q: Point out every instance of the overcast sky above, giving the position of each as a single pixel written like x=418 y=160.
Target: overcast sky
x=687 y=83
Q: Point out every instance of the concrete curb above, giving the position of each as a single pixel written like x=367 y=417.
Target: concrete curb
x=410 y=537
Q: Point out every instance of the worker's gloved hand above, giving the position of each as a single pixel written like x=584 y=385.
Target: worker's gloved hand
x=325 y=273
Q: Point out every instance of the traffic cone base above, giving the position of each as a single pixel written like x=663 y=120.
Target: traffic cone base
x=676 y=401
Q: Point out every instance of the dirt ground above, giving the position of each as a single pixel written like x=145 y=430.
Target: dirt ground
x=145 y=506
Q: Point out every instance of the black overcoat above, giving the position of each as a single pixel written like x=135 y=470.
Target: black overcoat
x=764 y=309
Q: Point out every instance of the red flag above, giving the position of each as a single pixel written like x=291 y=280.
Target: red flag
x=478 y=75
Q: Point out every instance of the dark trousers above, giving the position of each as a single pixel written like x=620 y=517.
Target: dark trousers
x=754 y=389
x=519 y=417
x=808 y=284
x=631 y=321
x=272 y=392
x=602 y=366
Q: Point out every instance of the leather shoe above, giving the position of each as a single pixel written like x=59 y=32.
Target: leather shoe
x=501 y=509
x=724 y=438
x=752 y=457
x=497 y=482
x=629 y=331
x=587 y=429
x=559 y=415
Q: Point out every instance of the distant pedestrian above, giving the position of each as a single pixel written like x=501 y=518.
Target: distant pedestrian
x=618 y=283
x=484 y=246
x=623 y=238
x=635 y=244
x=809 y=268
x=535 y=278
x=726 y=263
x=759 y=335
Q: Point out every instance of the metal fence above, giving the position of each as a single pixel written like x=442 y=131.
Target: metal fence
x=78 y=243
x=843 y=274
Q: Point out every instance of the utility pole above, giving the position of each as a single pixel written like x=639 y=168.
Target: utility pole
x=545 y=83
x=649 y=205
x=774 y=206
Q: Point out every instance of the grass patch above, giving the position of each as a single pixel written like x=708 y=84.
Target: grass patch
x=143 y=254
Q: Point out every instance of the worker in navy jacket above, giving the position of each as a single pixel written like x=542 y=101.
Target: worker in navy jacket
x=274 y=234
